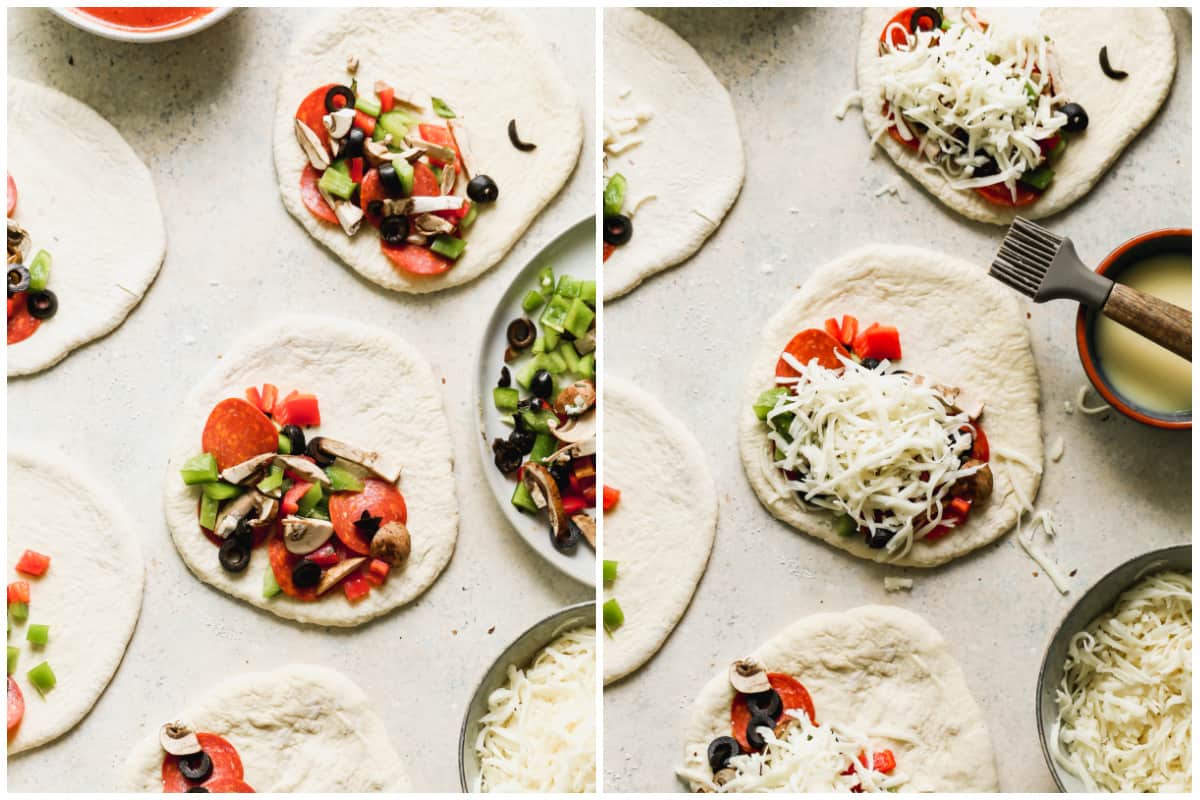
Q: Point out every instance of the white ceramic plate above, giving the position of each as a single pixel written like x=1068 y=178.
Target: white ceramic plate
x=573 y=253
x=107 y=30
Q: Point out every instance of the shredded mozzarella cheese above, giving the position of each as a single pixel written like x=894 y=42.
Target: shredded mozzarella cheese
x=539 y=734
x=892 y=584
x=1125 y=701
x=1081 y=403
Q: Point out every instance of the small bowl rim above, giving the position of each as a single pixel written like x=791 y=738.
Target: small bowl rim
x=94 y=25
x=1087 y=358
x=1148 y=562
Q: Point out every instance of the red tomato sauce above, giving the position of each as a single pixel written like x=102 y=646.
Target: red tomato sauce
x=147 y=19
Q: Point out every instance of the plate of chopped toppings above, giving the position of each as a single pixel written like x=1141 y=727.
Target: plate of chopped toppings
x=419 y=176
x=536 y=388
x=1000 y=112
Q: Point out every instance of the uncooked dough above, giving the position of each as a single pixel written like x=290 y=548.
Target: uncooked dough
x=690 y=157
x=879 y=670
x=1139 y=40
x=87 y=199
x=491 y=67
x=375 y=391
x=90 y=596
x=667 y=515
x=956 y=326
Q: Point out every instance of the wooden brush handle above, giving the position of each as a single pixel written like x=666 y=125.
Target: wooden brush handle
x=1159 y=321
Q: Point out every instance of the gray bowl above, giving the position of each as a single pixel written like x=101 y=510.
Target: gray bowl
x=1097 y=600
x=520 y=653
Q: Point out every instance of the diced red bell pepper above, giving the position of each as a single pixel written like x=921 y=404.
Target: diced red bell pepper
x=879 y=342
x=573 y=482
x=387 y=99
x=298 y=409
x=833 y=329
x=254 y=398
x=440 y=134
x=291 y=500
x=455 y=215
x=849 y=330
x=277 y=406
x=573 y=503
x=1047 y=145
x=589 y=494
x=16 y=705
x=325 y=555
x=364 y=121
x=608 y=250
x=959 y=507
x=18 y=592
x=270 y=396
x=883 y=760
x=356 y=587
x=980 y=449
x=377 y=571
x=356 y=170
x=33 y=563
x=611 y=497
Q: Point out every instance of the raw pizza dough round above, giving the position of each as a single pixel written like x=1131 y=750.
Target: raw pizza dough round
x=86 y=198
x=490 y=66
x=1139 y=40
x=299 y=728
x=956 y=326
x=667 y=514
x=375 y=391
x=879 y=670
x=90 y=596
x=690 y=155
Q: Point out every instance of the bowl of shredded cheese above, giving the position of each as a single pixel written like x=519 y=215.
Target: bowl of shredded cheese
x=1114 y=698
x=531 y=724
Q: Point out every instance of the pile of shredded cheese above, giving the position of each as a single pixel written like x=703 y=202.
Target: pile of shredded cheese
x=539 y=734
x=1125 y=701
x=994 y=85
x=875 y=445
x=809 y=758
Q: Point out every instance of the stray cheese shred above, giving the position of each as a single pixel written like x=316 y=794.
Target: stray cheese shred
x=1125 y=701
x=539 y=734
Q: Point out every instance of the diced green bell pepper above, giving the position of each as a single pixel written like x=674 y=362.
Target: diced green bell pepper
x=533 y=301
x=767 y=400
x=568 y=286
x=335 y=183
x=273 y=481
x=543 y=445
x=441 y=108
x=368 y=105
x=587 y=366
x=14 y=655
x=220 y=490
x=38 y=634
x=18 y=611
x=406 y=174
x=469 y=218
x=208 y=512
x=524 y=376
x=587 y=293
x=1059 y=148
x=309 y=500
x=610 y=571
x=546 y=280
x=566 y=351
x=450 y=247
x=537 y=421
x=42 y=677
x=614 y=195
x=342 y=479
x=553 y=362
x=579 y=318
x=522 y=499
x=506 y=398
x=270 y=585
x=555 y=315
x=395 y=122
x=539 y=346
x=614 y=617
x=1039 y=178
x=200 y=469
x=285 y=445
x=39 y=271
x=844 y=525
x=550 y=339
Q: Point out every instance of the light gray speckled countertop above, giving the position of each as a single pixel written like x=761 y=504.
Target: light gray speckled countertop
x=1120 y=488
x=199 y=112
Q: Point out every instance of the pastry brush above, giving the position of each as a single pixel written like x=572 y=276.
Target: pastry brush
x=1044 y=266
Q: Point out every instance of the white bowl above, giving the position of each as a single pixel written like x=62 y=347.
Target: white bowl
x=91 y=24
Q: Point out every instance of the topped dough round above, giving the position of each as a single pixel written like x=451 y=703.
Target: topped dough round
x=491 y=67
x=958 y=327
x=879 y=670
x=88 y=200
x=686 y=152
x=667 y=514
x=375 y=392
x=1139 y=40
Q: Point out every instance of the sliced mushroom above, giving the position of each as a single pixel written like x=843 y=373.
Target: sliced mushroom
x=956 y=399
x=378 y=152
x=748 y=676
x=587 y=343
x=436 y=152
x=18 y=242
x=243 y=472
x=254 y=507
x=459 y=129
x=331 y=576
x=417 y=239
x=410 y=155
x=449 y=176
x=431 y=225
x=339 y=123
x=978 y=485
x=302 y=535
x=370 y=460
x=576 y=399
x=349 y=216
x=310 y=143
x=305 y=469
x=576 y=429
x=178 y=739
x=394 y=206
x=545 y=494
x=724 y=776
x=410 y=99
x=392 y=544
x=587 y=527
x=352 y=64
x=427 y=205
x=572 y=451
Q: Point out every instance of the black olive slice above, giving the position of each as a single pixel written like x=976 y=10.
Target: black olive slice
x=507 y=456
x=618 y=229
x=375 y=208
x=196 y=767
x=568 y=540
x=521 y=333
x=390 y=179
x=522 y=439
x=483 y=189
x=1077 y=118
x=394 y=229
x=542 y=384
x=870 y=363
x=295 y=438
x=720 y=750
x=879 y=539
x=196 y=790
x=306 y=574
x=367 y=525
x=42 y=305
x=318 y=455
x=335 y=92
x=753 y=737
x=505 y=378
x=515 y=138
x=18 y=279
x=767 y=703
x=353 y=145
x=922 y=14
x=234 y=555
x=1115 y=74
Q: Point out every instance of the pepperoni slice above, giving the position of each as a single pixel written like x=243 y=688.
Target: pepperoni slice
x=226 y=766
x=807 y=345
x=282 y=563
x=229 y=786
x=236 y=431
x=414 y=259
x=371 y=189
x=312 y=109
x=21 y=324
x=12 y=195
x=378 y=498
x=998 y=194
x=791 y=692
x=16 y=705
x=311 y=195
x=425 y=183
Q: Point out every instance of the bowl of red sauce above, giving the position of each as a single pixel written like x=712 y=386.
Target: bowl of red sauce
x=142 y=23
